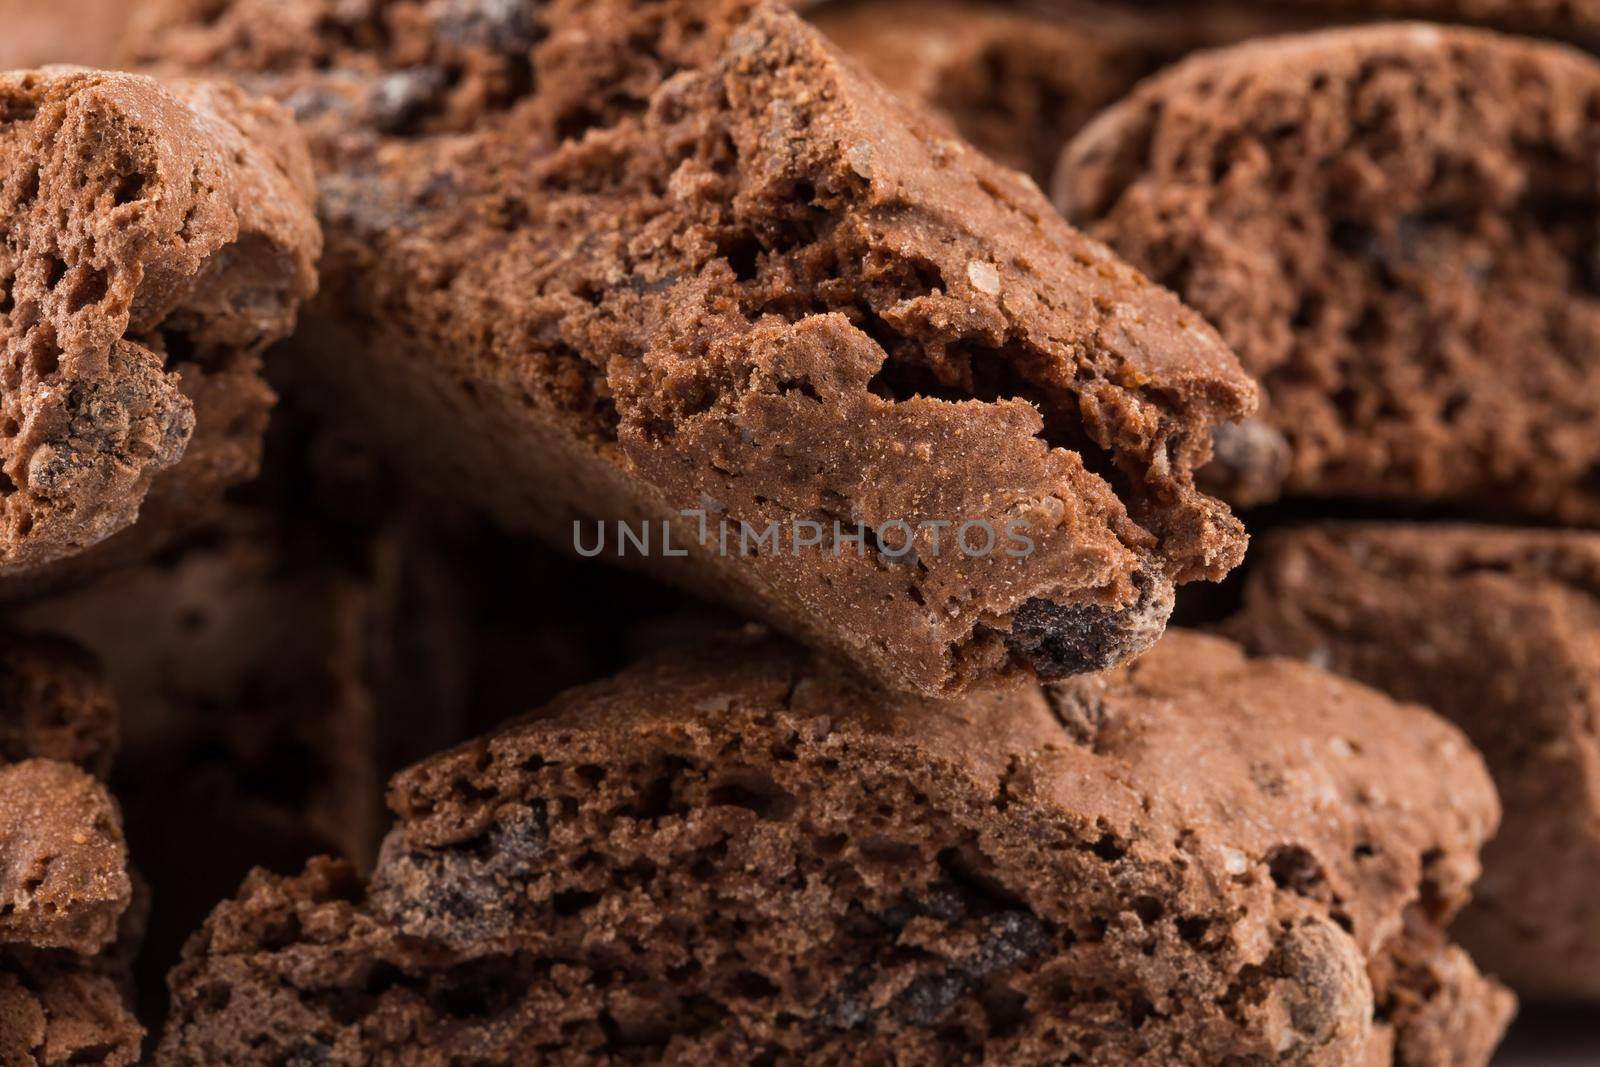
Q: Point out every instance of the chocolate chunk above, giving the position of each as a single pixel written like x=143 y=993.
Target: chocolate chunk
x=1057 y=640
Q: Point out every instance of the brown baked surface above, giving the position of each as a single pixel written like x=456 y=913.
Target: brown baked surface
x=159 y=236
x=1578 y=17
x=760 y=287
x=745 y=856
x=58 y=1012
x=63 y=863
x=1499 y=630
x=1392 y=226
x=43 y=32
x=64 y=880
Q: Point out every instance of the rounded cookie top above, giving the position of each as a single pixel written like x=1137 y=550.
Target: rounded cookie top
x=1016 y=83
x=1393 y=227
x=1498 y=629
x=1195 y=748
x=822 y=872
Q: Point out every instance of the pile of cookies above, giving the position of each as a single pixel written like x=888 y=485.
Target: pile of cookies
x=344 y=339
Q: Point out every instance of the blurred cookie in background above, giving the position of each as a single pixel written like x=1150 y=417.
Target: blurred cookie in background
x=1394 y=227
x=1499 y=631
x=85 y=33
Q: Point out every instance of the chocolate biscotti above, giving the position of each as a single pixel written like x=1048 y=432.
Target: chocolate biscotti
x=56 y=703
x=677 y=263
x=1018 y=79
x=1499 y=630
x=742 y=855
x=1393 y=227
x=63 y=863
x=157 y=238
x=66 y=894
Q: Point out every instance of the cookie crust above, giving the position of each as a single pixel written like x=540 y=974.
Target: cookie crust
x=762 y=290
x=159 y=237
x=746 y=854
x=1498 y=630
x=1391 y=226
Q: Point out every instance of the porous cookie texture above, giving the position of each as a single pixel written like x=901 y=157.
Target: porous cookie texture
x=708 y=265
x=742 y=855
x=1499 y=630
x=63 y=863
x=58 y=1012
x=1015 y=82
x=1394 y=228
x=157 y=238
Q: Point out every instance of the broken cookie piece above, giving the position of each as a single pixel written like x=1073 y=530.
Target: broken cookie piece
x=1499 y=631
x=56 y=1011
x=876 y=391
x=56 y=704
x=63 y=864
x=68 y=914
x=158 y=237
x=1394 y=228
x=744 y=855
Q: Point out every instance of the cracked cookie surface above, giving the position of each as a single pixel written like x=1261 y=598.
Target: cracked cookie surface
x=619 y=260
x=744 y=855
